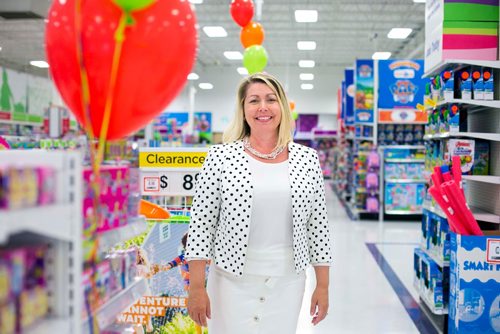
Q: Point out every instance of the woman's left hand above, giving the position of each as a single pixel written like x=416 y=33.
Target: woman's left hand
x=319 y=304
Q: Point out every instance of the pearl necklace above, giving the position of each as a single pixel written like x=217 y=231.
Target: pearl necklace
x=268 y=156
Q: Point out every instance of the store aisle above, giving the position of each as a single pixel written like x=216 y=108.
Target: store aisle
x=362 y=299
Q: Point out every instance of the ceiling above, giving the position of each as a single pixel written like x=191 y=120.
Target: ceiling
x=346 y=30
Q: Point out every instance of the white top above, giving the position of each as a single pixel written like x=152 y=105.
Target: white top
x=270 y=241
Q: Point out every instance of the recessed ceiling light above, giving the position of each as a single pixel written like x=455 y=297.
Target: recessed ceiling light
x=206 y=85
x=419 y=1
x=306 y=63
x=233 y=55
x=307 y=86
x=196 y=2
x=193 y=76
x=215 y=31
x=306 y=45
x=381 y=55
x=399 y=33
x=242 y=71
x=305 y=16
x=306 y=76
x=39 y=63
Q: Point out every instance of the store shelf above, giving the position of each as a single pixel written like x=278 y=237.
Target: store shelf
x=404 y=181
x=434 y=209
x=50 y=326
x=134 y=228
x=479 y=214
x=51 y=221
x=11 y=122
x=472 y=104
x=106 y=314
x=485 y=216
x=402 y=147
x=402 y=212
x=437 y=136
x=439 y=261
x=431 y=308
x=364 y=138
x=476 y=135
x=457 y=64
x=365 y=191
x=405 y=160
x=482 y=178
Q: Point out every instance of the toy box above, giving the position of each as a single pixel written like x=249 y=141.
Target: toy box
x=434 y=286
x=417 y=268
x=481 y=163
x=404 y=197
x=463 y=148
x=440 y=238
x=474 y=284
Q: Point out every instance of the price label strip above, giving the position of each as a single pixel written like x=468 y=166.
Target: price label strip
x=170 y=171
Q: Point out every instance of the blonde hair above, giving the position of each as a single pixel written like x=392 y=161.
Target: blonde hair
x=239 y=128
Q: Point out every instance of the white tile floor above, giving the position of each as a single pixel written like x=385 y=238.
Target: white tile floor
x=361 y=298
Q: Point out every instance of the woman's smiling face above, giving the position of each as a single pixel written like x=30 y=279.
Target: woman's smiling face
x=261 y=107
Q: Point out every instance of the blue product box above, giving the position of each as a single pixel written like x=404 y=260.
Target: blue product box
x=453 y=119
x=474 y=284
x=417 y=268
x=435 y=283
x=481 y=164
x=426 y=228
x=465 y=84
x=448 y=84
x=489 y=85
x=477 y=84
x=440 y=247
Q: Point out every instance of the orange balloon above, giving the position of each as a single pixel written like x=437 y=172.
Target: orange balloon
x=292 y=105
x=252 y=34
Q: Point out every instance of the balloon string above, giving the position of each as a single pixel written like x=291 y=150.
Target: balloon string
x=119 y=38
x=94 y=220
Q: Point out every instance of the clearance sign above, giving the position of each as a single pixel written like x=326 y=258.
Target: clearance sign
x=169 y=171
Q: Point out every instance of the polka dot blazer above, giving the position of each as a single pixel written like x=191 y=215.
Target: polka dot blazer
x=222 y=206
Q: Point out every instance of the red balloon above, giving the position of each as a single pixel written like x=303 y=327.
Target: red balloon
x=252 y=34
x=157 y=55
x=242 y=11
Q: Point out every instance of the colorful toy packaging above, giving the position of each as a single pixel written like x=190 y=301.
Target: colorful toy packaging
x=23 y=291
x=474 y=155
x=474 y=284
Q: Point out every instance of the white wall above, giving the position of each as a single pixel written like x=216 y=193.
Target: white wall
x=221 y=100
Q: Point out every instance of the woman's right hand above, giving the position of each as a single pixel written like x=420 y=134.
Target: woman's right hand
x=199 y=306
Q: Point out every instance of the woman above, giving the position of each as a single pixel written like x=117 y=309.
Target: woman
x=260 y=213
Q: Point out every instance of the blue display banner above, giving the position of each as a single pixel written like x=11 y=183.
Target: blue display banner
x=363 y=107
x=349 y=96
x=401 y=88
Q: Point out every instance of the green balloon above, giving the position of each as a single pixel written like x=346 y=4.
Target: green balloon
x=295 y=115
x=255 y=59
x=133 y=5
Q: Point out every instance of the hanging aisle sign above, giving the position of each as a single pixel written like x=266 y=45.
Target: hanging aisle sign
x=401 y=88
x=169 y=171
x=363 y=105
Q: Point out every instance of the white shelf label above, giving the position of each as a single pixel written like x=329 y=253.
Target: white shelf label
x=493 y=251
x=168 y=183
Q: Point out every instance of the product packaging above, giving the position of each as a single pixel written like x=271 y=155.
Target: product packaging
x=474 y=284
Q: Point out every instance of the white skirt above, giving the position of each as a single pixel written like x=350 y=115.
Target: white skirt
x=254 y=304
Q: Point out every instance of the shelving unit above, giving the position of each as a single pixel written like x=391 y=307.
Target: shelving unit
x=113 y=237
x=476 y=135
x=458 y=64
x=482 y=192
x=61 y=226
x=107 y=313
x=384 y=151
